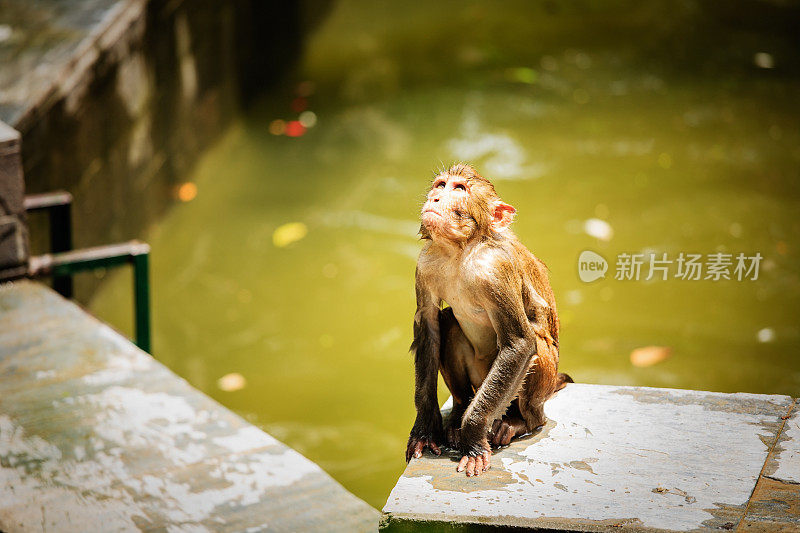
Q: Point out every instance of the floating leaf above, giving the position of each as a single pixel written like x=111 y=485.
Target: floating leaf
x=288 y=233
x=231 y=382
x=187 y=192
x=649 y=355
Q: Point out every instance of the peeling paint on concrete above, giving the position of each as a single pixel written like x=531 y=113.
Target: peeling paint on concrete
x=107 y=439
x=653 y=458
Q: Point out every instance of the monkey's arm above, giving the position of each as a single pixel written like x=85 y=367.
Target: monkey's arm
x=427 y=430
x=516 y=340
x=543 y=316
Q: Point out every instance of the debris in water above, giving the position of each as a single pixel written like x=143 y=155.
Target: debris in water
x=187 y=192
x=231 y=382
x=286 y=234
x=649 y=355
x=598 y=228
x=765 y=335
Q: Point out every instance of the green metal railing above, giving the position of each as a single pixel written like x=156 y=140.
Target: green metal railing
x=58 y=206
x=64 y=262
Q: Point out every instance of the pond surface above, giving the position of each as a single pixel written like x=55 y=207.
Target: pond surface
x=662 y=128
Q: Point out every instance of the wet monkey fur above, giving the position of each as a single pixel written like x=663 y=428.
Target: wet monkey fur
x=496 y=342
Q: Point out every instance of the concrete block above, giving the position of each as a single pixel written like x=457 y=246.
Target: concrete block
x=611 y=458
x=13 y=232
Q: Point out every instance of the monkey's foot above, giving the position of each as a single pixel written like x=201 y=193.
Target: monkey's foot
x=452 y=425
x=476 y=465
x=506 y=428
x=416 y=445
x=451 y=435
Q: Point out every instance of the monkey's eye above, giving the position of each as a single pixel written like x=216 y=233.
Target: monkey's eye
x=439 y=185
x=460 y=187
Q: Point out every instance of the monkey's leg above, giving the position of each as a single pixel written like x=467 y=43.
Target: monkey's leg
x=541 y=382
x=456 y=352
x=509 y=426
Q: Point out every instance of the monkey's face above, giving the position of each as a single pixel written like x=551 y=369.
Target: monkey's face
x=446 y=213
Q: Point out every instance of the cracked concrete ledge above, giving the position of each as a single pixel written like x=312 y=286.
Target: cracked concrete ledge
x=624 y=459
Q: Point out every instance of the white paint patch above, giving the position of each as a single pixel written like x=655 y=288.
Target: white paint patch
x=38 y=474
x=129 y=417
x=606 y=455
x=14 y=442
x=250 y=479
x=186 y=528
x=95 y=491
x=789 y=459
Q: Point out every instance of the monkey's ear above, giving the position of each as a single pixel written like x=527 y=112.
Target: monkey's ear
x=502 y=215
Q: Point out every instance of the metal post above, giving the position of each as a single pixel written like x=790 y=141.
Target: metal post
x=61 y=241
x=66 y=264
x=141 y=297
x=58 y=205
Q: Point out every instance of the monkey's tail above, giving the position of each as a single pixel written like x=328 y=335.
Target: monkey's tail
x=563 y=379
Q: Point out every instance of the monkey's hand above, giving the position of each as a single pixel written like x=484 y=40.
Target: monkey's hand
x=475 y=458
x=426 y=433
x=417 y=444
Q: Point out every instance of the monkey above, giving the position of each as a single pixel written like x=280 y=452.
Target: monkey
x=496 y=340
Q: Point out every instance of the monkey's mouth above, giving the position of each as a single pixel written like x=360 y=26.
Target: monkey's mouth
x=431 y=211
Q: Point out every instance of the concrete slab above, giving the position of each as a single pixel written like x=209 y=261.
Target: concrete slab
x=95 y=435
x=612 y=458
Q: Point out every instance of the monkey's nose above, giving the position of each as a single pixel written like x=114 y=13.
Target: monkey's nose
x=435 y=199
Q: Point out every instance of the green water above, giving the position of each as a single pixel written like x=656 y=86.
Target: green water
x=655 y=119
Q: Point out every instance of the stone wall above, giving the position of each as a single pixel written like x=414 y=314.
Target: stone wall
x=142 y=95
